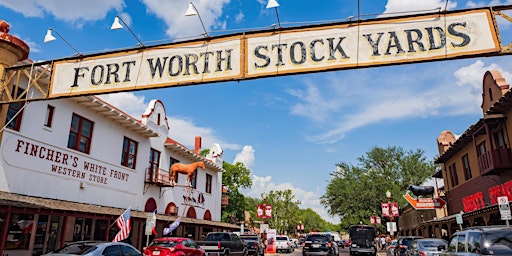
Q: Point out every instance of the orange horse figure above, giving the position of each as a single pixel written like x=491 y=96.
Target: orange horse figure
x=187 y=169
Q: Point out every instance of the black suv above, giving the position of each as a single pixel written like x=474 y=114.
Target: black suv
x=404 y=244
x=320 y=244
x=254 y=244
x=485 y=240
x=362 y=239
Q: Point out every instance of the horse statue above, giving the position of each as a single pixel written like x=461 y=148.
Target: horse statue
x=187 y=169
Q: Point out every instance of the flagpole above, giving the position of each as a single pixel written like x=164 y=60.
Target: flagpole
x=111 y=225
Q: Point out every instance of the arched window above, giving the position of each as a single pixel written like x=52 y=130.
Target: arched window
x=191 y=213
x=171 y=209
x=207 y=215
x=150 y=205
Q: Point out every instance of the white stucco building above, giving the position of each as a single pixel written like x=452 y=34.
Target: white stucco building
x=69 y=167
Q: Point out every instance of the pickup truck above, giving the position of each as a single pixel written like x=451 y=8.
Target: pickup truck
x=223 y=243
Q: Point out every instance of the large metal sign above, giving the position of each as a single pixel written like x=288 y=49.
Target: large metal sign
x=280 y=52
x=274 y=52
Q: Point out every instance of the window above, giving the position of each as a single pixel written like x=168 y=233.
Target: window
x=80 y=134
x=15 y=114
x=465 y=165
x=460 y=243
x=193 y=182
x=499 y=139
x=480 y=149
x=154 y=160
x=174 y=161
x=18 y=231
x=49 y=116
x=208 y=184
x=453 y=175
x=129 y=155
x=474 y=242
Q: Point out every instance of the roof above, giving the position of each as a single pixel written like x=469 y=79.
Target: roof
x=503 y=104
x=467 y=137
x=25 y=201
x=101 y=107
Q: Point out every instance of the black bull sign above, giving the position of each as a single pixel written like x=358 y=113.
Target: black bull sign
x=284 y=51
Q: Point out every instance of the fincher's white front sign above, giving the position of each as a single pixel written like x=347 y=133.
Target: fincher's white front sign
x=300 y=50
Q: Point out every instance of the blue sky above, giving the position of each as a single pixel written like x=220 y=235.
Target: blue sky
x=292 y=130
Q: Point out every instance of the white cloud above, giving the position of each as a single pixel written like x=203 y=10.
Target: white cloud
x=332 y=103
x=246 y=156
x=172 y=13
x=182 y=129
x=307 y=199
x=65 y=10
x=401 y=6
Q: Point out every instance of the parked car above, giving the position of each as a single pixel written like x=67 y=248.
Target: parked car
x=362 y=239
x=488 y=240
x=390 y=249
x=283 y=243
x=173 y=246
x=404 y=244
x=223 y=243
x=320 y=244
x=427 y=247
x=254 y=244
x=97 y=248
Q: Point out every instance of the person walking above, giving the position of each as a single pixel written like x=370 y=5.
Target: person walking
x=382 y=243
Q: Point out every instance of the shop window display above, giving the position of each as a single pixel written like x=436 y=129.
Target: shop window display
x=18 y=233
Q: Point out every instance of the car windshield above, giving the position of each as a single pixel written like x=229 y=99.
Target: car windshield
x=362 y=233
x=163 y=243
x=74 y=249
x=432 y=244
x=281 y=238
x=499 y=242
x=317 y=238
x=407 y=241
x=249 y=239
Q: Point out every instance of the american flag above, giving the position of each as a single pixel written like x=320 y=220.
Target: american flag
x=123 y=223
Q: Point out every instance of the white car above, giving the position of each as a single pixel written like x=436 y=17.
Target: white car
x=283 y=243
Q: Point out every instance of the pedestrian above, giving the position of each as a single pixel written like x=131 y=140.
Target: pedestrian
x=382 y=243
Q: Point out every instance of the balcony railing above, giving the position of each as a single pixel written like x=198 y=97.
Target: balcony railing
x=160 y=177
x=495 y=161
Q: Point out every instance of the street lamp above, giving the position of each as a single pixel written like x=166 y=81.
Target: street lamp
x=390 y=213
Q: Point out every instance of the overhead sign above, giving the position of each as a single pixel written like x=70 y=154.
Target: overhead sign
x=425 y=203
x=286 y=51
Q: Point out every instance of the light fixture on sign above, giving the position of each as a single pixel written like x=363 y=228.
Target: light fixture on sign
x=49 y=37
x=274 y=4
x=192 y=11
x=117 y=25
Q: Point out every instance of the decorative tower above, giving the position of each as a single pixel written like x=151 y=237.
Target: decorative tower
x=12 y=50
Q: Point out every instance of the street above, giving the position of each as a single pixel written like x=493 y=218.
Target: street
x=298 y=252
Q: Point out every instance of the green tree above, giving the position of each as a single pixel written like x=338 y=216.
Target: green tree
x=355 y=192
x=284 y=211
x=312 y=221
x=235 y=176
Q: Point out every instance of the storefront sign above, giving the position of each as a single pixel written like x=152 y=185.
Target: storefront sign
x=40 y=157
x=473 y=202
x=287 y=51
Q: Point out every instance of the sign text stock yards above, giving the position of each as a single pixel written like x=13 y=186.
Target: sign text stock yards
x=301 y=50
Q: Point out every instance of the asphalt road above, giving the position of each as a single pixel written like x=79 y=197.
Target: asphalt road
x=298 y=252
